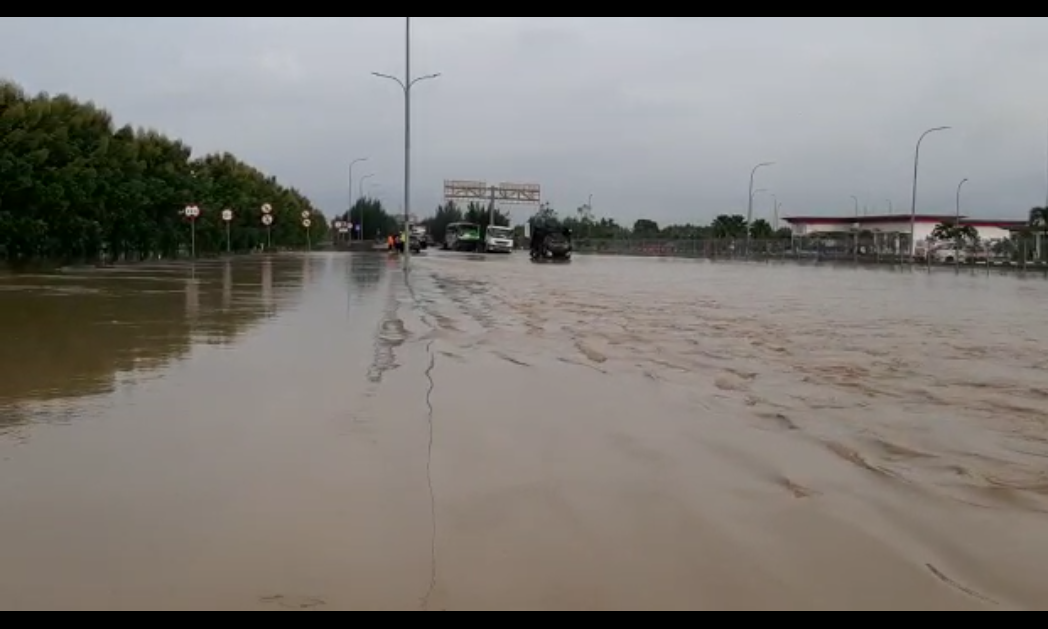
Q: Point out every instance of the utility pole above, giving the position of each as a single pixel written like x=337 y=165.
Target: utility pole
x=406 y=84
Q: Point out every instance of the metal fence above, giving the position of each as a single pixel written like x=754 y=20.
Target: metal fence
x=1020 y=254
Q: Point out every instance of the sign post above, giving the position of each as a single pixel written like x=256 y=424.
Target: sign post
x=192 y=212
x=464 y=192
x=307 y=223
x=267 y=220
x=227 y=218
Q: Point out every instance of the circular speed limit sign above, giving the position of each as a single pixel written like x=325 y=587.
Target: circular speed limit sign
x=306 y=215
x=307 y=223
x=227 y=215
x=267 y=209
x=267 y=220
x=192 y=211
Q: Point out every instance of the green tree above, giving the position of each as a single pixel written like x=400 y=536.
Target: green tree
x=372 y=215
x=761 y=230
x=730 y=227
x=481 y=215
x=73 y=186
x=445 y=215
x=547 y=216
x=952 y=232
x=645 y=228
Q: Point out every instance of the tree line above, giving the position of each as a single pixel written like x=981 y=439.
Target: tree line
x=588 y=226
x=73 y=186
x=585 y=224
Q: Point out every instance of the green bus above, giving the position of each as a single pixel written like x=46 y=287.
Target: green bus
x=463 y=237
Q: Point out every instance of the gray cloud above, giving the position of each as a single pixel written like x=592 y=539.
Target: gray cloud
x=656 y=116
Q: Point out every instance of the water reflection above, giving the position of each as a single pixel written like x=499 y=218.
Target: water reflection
x=73 y=334
x=366 y=272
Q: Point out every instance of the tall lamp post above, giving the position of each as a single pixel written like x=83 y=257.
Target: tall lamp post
x=749 y=209
x=958 y=239
x=363 y=210
x=960 y=188
x=913 y=202
x=359 y=160
x=406 y=84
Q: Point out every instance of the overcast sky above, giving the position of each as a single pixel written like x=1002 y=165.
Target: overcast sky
x=659 y=117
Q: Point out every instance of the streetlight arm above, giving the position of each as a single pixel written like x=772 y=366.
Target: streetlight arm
x=960 y=188
x=929 y=132
x=390 y=77
x=428 y=77
x=406 y=86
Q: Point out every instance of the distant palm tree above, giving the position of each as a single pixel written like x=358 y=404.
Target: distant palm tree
x=730 y=227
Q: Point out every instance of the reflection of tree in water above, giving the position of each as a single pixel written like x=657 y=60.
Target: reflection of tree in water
x=73 y=335
x=366 y=271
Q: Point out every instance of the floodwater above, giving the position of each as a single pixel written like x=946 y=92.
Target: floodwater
x=317 y=433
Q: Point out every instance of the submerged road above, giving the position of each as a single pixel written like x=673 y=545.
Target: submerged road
x=323 y=433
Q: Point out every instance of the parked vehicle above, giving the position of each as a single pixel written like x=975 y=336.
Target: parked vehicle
x=422 y=234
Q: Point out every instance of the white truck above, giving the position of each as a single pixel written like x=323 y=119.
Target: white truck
x=499 y=240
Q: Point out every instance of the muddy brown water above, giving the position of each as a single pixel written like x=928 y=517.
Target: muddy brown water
x=317 y=433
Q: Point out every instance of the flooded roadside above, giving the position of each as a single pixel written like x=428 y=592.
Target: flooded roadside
x=614 y=434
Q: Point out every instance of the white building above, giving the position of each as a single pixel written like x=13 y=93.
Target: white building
x=898 y=224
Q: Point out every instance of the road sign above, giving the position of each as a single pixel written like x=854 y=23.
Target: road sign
x=267 y=220
x=306 y=214
x=307 y=223
x=192 y=212
x=227 y=215
x=267 y=209
x=482 y=192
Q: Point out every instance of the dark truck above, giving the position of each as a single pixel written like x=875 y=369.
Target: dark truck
x=550 y=245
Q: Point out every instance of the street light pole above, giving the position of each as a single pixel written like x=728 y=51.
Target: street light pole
x=363 y=208
x=958 y=238
x=960 y=187
x=913 y=202
x=360 y=160
x=406 y=84
x=749 y=209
